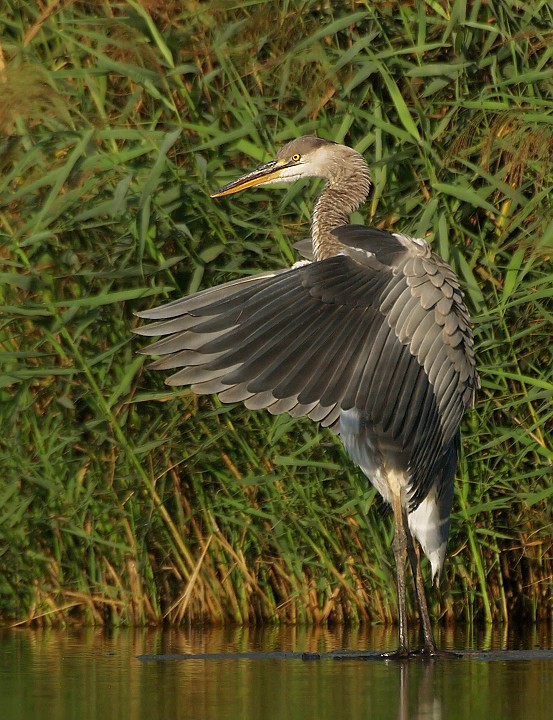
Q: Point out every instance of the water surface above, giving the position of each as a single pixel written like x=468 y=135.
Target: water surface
x=129 y=674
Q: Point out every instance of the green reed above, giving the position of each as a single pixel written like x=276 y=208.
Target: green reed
x=125 y=502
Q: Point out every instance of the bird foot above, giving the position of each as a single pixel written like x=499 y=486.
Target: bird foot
x=425 y=653
x=402 y=654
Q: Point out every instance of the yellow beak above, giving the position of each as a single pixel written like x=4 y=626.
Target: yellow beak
x=264 y=173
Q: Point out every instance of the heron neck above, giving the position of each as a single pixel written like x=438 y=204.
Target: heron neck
x=340 y=197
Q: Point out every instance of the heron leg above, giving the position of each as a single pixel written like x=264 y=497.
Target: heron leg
x=414 y=559
x=399 y=546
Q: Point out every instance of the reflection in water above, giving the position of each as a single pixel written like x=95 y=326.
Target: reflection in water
x=426 y=704
x=298 y=638
x=93 y=674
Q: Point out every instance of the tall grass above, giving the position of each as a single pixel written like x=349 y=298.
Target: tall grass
x=124 y=502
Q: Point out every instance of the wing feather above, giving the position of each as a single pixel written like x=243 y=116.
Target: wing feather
x=379 y=328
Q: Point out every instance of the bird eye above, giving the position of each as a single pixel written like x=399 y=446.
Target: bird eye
x=296 y=157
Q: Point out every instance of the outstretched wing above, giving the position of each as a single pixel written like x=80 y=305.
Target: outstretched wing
x=380 y=328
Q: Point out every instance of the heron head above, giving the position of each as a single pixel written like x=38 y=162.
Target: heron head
x=307 y=156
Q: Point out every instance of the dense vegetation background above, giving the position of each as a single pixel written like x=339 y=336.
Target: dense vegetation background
x=124 y=502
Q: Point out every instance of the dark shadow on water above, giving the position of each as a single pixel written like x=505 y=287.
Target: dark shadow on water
x=343 y=655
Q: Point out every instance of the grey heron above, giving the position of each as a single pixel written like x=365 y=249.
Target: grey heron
x=370 y=337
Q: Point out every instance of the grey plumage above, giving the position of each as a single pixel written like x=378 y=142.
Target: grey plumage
x=371 y=339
